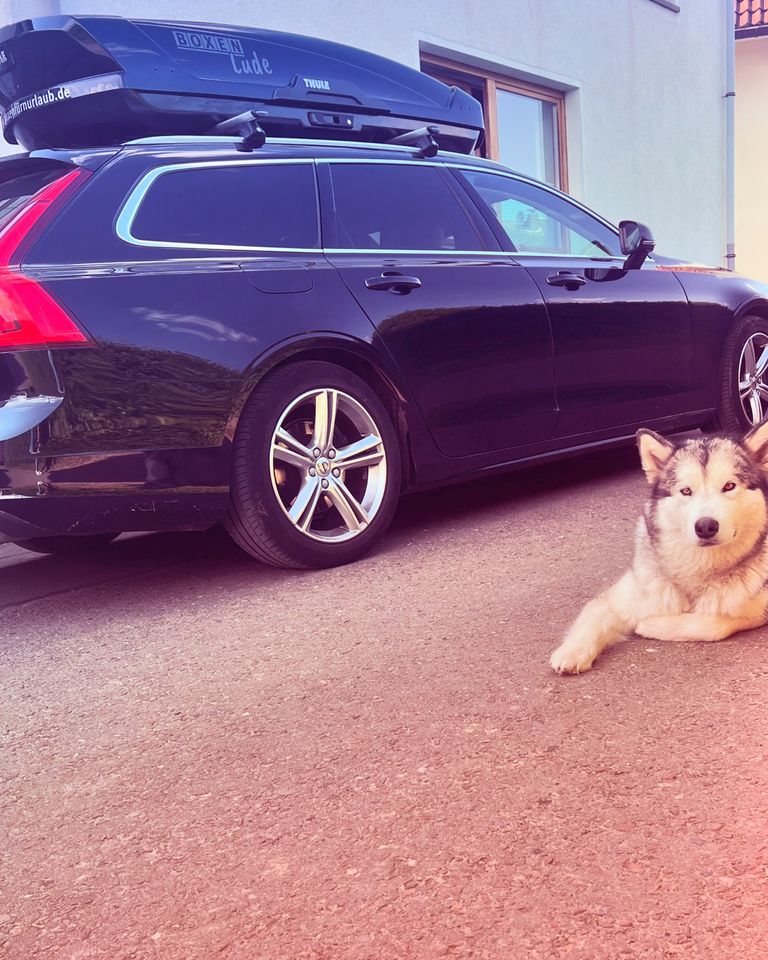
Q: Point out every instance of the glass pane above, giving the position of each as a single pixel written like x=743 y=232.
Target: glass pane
x=240 y=205
x=538 y=221
x=398 y=207
x=528 y=135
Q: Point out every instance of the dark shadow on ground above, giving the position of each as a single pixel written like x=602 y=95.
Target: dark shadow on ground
x=436 y=506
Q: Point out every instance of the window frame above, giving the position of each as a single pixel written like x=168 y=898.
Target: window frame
x=491 y=234
x=132 y=204
x=488 y=242
x=467 y=77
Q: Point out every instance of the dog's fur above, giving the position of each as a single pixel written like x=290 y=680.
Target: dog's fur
x=680 y=586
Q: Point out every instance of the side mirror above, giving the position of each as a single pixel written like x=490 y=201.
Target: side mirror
x=636 y=243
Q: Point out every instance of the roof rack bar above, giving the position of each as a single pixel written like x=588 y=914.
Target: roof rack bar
x=302 y=141
x=248 y=126
x=424 y=138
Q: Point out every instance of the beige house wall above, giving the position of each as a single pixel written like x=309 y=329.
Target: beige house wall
x=752 y=157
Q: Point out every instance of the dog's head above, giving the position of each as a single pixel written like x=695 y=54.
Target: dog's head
x=708 y=492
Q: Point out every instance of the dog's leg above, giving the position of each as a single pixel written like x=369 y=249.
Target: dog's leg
x=695 y=627
x=599 y=624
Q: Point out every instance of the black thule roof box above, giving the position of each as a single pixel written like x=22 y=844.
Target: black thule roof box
x=97 y=81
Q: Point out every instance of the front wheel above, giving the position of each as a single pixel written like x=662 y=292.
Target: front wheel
x=316 y=468
x=744 y=378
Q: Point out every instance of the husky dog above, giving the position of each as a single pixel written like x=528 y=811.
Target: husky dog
x=701 y=559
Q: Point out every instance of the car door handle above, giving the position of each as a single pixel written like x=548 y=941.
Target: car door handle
x=564 y=278
x=394 y=282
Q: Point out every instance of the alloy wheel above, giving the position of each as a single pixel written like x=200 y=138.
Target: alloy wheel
x=328 y=465
x=753 y=378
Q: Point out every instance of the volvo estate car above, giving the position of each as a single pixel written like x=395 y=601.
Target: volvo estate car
x=281 y=319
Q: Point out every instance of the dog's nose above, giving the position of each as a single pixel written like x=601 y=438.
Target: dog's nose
x=706 y=528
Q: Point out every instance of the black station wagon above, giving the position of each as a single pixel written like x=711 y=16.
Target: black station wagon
x=284 y=333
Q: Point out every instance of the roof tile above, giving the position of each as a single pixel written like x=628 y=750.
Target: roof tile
x=751 y=13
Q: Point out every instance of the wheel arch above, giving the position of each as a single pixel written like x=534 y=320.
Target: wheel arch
x=756 y=306
x=354 y=356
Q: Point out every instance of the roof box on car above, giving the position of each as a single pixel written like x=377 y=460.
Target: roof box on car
x=96 y=81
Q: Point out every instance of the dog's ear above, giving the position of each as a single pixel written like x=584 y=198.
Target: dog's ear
x=756 y=441
x=655 y=451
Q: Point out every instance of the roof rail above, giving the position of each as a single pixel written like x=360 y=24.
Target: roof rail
x=424 y=138
x=248 y=126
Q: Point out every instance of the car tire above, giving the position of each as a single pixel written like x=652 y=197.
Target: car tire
x=67 y=546
x=316 y=472
x=746 y=346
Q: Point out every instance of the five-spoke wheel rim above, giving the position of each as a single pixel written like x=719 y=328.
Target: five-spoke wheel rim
x=328 y=465
x=753 y=374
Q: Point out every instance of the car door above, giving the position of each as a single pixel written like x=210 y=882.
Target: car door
x=467 y=326
x=622 y=338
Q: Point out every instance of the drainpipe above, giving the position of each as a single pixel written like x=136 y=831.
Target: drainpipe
x=730 y=95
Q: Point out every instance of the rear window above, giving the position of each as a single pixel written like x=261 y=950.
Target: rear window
x=15 y=191
x=234 y=205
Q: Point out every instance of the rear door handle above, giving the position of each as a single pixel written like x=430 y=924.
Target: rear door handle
x=394 y=282
x=564 y=278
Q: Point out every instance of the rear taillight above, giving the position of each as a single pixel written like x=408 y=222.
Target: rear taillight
x=30 y=319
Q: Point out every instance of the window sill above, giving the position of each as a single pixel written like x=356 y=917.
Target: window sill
x=674 y=7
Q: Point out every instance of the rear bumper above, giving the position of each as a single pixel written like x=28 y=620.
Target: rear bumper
x=23 y=518
x=108 y=492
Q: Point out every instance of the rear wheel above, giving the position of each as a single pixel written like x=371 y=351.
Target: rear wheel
x=316 y=468
x=67 y=546
x=744 y=379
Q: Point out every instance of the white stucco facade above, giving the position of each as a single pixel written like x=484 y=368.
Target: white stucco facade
x=644 y=83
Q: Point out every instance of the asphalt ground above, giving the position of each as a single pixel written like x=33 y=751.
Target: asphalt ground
x=202 y=757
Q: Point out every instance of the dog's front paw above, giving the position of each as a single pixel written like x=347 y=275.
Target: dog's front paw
x=659 y=628
x=569 y=658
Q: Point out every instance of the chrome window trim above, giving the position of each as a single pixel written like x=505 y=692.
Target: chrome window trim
x=133 y=202
x=510 y=175
x=495 y=254
x=483 y=164
x=130 y=207
x=566 y=256
x=367 y=251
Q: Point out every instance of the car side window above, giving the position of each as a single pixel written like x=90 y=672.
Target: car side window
x=237 y=205
x=538 y=221
x=401 y=207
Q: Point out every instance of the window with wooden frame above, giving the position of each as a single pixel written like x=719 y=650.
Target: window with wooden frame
x=524 y=122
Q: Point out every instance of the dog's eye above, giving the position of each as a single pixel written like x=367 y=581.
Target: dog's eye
x=686 y=492
x=729 y=486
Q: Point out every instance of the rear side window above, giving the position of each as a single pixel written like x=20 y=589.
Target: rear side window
x=234 y=205
x=15 y=191
x=398 y=207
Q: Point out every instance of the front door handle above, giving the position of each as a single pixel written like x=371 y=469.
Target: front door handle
x=564 y=278
x=394 y=282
